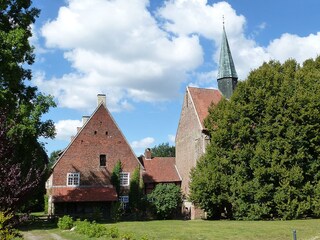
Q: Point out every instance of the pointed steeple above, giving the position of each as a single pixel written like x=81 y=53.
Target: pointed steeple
x=227 y=75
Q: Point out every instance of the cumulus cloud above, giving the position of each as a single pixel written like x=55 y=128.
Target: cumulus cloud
x=143 y=143
x=119 y=48
x=67 y=128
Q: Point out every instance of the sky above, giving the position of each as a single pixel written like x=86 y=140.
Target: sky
x=143 y=54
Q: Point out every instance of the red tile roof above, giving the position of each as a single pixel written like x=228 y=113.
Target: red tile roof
x=160 y=169
x=84 y=194
x=202 y=99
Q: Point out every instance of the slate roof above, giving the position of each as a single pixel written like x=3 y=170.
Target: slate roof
x=226 y=65
x=202 y=99
x=160 y=170
x=84 y=194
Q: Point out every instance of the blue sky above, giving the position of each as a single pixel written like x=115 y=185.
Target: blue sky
x=142 y=55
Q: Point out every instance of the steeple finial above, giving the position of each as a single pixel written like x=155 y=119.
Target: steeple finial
x=223 y=21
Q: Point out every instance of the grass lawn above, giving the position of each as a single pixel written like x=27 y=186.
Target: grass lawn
x=174 y=229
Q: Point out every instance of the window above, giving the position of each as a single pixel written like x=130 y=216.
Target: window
x=73 y=179
x=124 y=201
x=124 y=179
x=103 y=160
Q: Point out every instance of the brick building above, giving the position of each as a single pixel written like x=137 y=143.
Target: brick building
x=80 y=182
x=191 y=136
x=158 y=170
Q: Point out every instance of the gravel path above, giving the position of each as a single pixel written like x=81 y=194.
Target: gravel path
x=46 y=236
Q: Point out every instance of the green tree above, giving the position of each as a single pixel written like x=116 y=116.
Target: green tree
x=53 y=157
x=135 y=193
x=163 y=150
x=263 y=159
x=23 y=107
x=115 y=176
x=165 y=198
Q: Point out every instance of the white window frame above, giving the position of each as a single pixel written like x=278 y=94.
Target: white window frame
x=124 y=179
x=124 y=200
x=74 y=179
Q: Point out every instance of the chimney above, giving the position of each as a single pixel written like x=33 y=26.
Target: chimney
x=101 y=99
x=147 y=154
x=85 y=120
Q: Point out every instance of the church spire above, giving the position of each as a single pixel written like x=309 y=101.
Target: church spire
x=227 y=75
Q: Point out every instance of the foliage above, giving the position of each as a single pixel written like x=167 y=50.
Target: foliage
x=165 y=198
x=113 y=232
x=163 y=150
x=65 y=223
x=135 y=193
x=6 y=231
x=127 y=236
x=116 y=211
x=53 y=158
x=22 y=158
x=90 y=229
x=46 y=203
x=17 y=183
x=115 y=176
x=263 y=160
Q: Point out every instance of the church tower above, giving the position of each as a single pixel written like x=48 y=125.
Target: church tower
x=227 y=75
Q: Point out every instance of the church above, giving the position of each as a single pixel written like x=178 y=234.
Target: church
x=192 y=137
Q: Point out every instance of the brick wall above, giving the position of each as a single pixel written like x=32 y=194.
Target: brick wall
x=99 y=136
x=188 y=142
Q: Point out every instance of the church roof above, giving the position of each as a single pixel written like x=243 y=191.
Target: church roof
x=226 y=65
x=202 y=99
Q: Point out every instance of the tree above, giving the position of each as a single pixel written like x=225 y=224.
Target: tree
x=163 y=150
x=53 y=157
x=135 y=193
x=263 y=160
x=165 y=198
x=115 y=176
x=23 y=162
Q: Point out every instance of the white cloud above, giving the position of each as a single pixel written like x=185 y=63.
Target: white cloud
x=118 y=48
x=143 y=143
x=67 y=128
x=294 y=46
x=172 y=138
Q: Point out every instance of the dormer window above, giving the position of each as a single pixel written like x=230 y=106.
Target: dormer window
x=73 y=179
x=103 y=160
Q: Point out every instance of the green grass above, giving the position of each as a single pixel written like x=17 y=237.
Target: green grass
x=174 y=229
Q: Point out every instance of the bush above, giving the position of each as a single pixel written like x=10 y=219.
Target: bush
x=46 y=203
x=65 y=223
x=6 y=232
x=116 y=211
x=127 y=236
x=90 y=229
x=165 y=198
x=113 y=232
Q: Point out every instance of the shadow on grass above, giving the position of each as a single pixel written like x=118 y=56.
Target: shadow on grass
x=38 y=224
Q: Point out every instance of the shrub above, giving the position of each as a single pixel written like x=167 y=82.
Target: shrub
x=90 y=229
x=65 y=223
x=113 y=232
x=46 y=203
x=127 y=236
x=165 y=198
x=116 y=211
x=6 y=232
